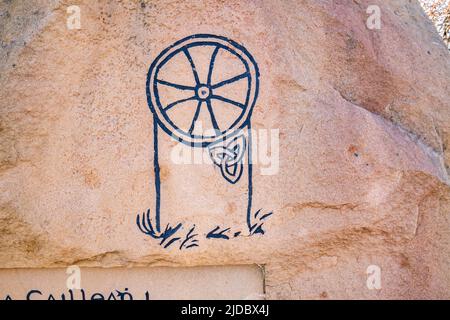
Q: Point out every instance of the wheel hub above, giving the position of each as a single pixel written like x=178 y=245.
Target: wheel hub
x=203 y=92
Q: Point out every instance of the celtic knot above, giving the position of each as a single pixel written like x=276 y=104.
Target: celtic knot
x=229 y=158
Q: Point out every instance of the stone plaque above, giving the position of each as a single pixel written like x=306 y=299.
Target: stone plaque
x=73 y=283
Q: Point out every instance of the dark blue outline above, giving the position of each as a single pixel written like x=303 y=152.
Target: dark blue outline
x=209 y=41
x=197 y=113
x=224 y=163
x=146 y=225
x=157 y=172
x=213 y=234
x=189 y=241
x=250 y=177
x=178 y=86
x=185 y=50
x=188 y=55
x=169 y=106
x=213 y=117
x=211 y=66
x=229 y=101
x=231 y=80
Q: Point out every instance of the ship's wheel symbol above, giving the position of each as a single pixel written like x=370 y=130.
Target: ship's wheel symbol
x=183 y=87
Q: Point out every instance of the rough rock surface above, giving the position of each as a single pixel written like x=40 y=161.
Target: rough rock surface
x=364 y=120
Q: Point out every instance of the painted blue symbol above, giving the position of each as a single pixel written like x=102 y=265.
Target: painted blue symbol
x=226 y=143
x=229 y=158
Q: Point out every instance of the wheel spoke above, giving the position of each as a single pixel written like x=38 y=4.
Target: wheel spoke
x=238 y=104
x=194 y=70
x=231 y=80
x=194 y=120
x=211 y=64
x=174 y=85
x=169 y=106
x=211 y=113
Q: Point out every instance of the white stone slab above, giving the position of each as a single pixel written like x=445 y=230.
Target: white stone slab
x=221 y=282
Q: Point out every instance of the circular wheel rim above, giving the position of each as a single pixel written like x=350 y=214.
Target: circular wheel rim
x=203 y=92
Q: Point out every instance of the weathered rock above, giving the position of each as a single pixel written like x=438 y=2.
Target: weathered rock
x=364 y=122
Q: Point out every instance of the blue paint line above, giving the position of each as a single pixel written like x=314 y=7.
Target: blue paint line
x=157 y=174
